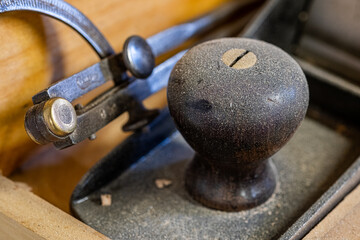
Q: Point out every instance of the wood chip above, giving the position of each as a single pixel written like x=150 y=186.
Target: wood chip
x=162 y=183
x=23 y=186
x=105 y=200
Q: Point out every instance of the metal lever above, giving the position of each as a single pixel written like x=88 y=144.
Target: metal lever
x=114 y=67
x=137 y=58
x=115 y=102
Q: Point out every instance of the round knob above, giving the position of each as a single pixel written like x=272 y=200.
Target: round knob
x=236 y=102
x=138 y=57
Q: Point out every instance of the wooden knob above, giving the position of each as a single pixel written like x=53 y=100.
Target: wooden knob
x=236 y=102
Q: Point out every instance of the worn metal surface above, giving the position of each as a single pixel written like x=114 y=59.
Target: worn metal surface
x=50 y=121
x=308 y=166
x=116 y=101
x=130 y=151
x=327 y=90
x=142 y=211
x=343 y=186
x=105 y=107
x=109 y=106
x=333 y=42
x=339 y=31
x=113 y=68
x=138 y=57
x=278 y=23
x=83 y=82
x=170 y=38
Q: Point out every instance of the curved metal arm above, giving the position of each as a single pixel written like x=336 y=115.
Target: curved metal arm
x=66 y=13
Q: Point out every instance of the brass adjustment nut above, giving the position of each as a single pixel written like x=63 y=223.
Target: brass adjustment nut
x=59 y=116
x=50 y=121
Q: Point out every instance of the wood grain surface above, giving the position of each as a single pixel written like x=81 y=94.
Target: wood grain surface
x=37 y=50
x=23 y=215
x=341 y=223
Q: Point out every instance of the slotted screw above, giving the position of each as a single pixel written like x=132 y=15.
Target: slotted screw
x=239 y=58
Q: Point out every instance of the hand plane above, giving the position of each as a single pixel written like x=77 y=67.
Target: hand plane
x=249 y=146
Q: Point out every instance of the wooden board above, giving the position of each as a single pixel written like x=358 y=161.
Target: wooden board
x=341 y=223
x=37 y=50
x=24 y=215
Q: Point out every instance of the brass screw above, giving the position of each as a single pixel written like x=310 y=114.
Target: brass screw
x=239 y=58
x=60 y=116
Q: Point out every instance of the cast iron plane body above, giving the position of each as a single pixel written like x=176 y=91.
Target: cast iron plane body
x=315 y=170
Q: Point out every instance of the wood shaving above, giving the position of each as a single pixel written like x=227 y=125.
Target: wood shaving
x=162 y=183
x=23 y=186
x=105 y=200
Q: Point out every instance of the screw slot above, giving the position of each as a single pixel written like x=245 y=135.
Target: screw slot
x=239 y=58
